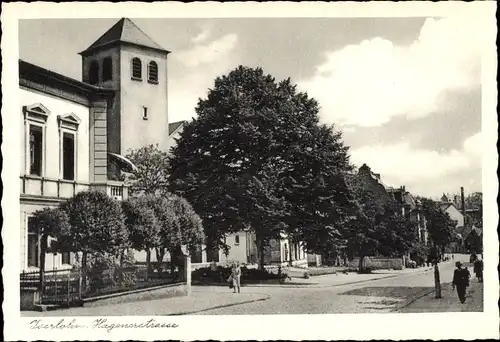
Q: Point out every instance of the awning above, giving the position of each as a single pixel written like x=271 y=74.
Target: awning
x=123 y=163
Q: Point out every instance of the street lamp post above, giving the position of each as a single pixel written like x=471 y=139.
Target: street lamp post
x=435 y=260
x=437 y=281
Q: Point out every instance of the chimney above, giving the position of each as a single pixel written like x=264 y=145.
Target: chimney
x=462 y=200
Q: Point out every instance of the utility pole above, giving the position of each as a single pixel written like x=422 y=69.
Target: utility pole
x=437 y=280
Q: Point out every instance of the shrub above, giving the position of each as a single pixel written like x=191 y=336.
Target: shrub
x=367 y=266
x=223 y=273
x=104 y=272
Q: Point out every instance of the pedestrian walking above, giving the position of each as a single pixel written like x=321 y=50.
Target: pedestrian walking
x=478 y=270
x=236 y=277
x=461 y=281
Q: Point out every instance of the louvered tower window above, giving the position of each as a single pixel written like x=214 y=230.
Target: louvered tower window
x=153 y=72
x=136 y=69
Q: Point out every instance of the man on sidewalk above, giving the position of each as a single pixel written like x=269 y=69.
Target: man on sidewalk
x=461 y=281
x=478 y=270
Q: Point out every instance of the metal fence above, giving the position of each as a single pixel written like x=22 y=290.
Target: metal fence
x=67 y=287
x=59 y=287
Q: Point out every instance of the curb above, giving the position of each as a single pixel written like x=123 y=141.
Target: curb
x=290 y=284
x=416 y=297
x=314 y=285
x=221 y=306
x=412 y=300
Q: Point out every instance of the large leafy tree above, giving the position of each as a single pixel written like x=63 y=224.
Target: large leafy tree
x=190 y=223
x=169 y=234
x=177 y=225
x=378 y=227
x=249 y=130
x=397 y=235
x=96 y=226
x=474 y=241
x=315 y=186
x=190 y=228
x=362 y=235
x=439 y=224
x=50 y=222
x=475 y=201
x=143 y=229
x=264 y=212
x=151 y=175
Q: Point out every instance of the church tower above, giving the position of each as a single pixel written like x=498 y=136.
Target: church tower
x=128 y=61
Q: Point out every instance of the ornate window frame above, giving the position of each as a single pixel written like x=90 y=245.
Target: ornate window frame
x=69 y=124
x=35 y=115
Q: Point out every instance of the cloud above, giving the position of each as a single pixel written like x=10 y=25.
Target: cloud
x=369 y=83
x=424 y=171
x=208 y=53
x=195 y=71
x=203 y=35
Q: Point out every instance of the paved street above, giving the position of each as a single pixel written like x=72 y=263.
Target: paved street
x=376 y=293
x=382 y=295
x=376 y=296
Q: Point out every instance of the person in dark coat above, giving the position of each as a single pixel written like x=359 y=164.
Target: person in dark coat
x=460 y=281
x=478 y=270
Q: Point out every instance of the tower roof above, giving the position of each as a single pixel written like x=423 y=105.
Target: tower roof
x=125 y=31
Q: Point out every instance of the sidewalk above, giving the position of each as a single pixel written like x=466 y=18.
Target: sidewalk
x=449 y=301
x=339 y=279
x=197 y=302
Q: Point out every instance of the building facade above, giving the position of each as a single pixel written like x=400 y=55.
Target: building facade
x=74 y=135
x=63 y=150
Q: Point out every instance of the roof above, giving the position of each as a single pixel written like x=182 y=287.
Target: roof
x=172 y=127
x=125 y=31
x=477 y=230
x=445 y=205
x=32 y=72
x=409 y=200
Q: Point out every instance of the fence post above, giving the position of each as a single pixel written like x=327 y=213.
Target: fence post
x=80 y=285
x=55 y=287
x=187 y=273
x=68 y=285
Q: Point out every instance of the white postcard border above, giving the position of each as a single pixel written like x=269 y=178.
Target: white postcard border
x=289 y=327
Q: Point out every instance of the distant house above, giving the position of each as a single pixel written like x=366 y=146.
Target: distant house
x=474 y=240
x=174 y=132
x=461 y=229
x=410 y=206
x=454 y=213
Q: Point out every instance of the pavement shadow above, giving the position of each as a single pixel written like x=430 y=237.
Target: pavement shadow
x=387 y=291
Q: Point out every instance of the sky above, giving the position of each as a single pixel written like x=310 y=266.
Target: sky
x=405 y=92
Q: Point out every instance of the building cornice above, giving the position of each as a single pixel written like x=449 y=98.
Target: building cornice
x=115 y=43
x=35 y=77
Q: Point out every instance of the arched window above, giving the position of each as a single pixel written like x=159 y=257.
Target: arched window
x=136 y=68
x=94 y=72
x=107 y=69
x=153 y=72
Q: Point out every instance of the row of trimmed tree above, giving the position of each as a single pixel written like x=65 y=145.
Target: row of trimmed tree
x=93 y=223
x=258 y=157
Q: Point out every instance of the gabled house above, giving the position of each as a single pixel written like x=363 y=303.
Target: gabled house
x=454 y=213
x=410 y=206
x=462 y=230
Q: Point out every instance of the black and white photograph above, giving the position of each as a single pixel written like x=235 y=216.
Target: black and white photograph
x=175 y=168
